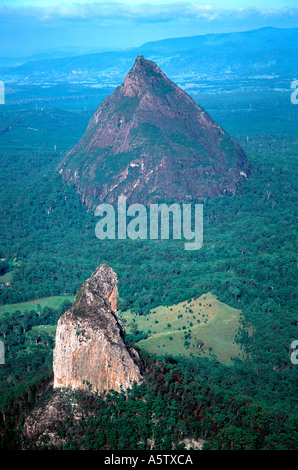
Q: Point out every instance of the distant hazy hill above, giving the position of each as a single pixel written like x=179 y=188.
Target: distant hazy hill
x=260 y=39
x=267 y=51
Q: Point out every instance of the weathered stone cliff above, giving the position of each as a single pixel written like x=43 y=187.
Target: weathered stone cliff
x=90 y=351
x=90 y=355
x=150 y=141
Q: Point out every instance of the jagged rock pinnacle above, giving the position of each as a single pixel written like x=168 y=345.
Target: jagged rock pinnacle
x=90 y=350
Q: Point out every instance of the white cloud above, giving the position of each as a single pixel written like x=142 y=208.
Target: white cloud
x=143 y=12
x=118 y=24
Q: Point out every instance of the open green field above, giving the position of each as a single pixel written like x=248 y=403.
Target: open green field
x=49 y=329
x=7 y=277
x=52 y=302
x=204 y=326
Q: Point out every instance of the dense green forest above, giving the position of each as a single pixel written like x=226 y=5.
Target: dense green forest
x=248 y=260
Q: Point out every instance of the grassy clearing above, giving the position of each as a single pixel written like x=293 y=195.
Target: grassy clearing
x=6 y=277
x=52 y=302
x=49 y=329
x=201 y=327
x=204 y=326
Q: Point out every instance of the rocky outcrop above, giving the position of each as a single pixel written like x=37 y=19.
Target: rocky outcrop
x=90 y=355
x=90 y=351
x=150 y=141
x=57 y=415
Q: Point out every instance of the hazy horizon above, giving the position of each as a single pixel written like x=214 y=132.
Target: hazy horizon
x=31 y=27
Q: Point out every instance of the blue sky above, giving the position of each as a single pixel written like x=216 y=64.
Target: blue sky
x=263 y=4
x=31 y=26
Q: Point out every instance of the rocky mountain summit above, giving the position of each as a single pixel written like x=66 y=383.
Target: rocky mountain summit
x=150 y=141
x=90 y=355
x=90 y=350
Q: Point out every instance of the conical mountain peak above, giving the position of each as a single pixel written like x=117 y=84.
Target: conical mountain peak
x=150 y=141
x=143 y=75
x=142 y=62
x=142 y=65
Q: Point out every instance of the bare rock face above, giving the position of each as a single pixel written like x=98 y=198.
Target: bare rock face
x=150 y=141
x=90 y=352
x=55 y=412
